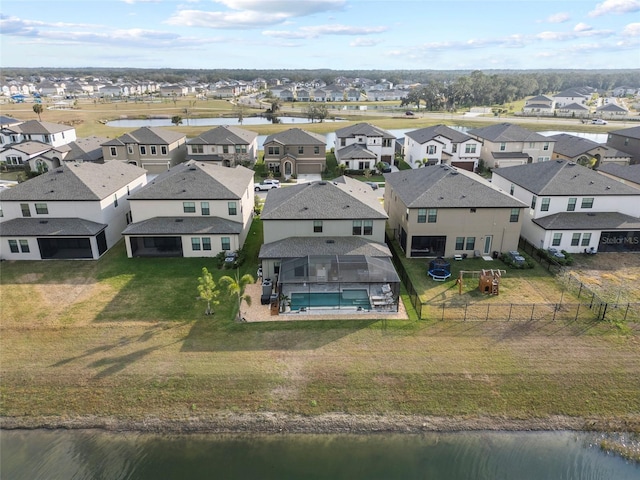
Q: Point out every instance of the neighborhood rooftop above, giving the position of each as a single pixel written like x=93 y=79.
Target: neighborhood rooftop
x=225 y=135
x=423 y=135
x=507 y=132
x=147 y=136
x=296 y=136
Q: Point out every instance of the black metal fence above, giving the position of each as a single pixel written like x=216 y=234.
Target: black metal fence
x=508 y=312
x=402 y=273
x=550 y=264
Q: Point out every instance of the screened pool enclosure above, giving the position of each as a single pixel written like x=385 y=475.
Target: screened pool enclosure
x=358 y=283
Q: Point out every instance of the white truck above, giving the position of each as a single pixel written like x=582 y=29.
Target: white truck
x=266 y=184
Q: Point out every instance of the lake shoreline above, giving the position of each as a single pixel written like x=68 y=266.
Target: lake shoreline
x=333 y=423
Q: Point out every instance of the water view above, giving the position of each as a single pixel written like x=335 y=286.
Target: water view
x=87 y=455
x=203 y=122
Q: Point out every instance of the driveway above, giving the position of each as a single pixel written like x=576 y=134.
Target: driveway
x=309 y=177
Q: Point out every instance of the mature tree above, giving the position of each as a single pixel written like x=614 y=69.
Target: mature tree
x=236 y=287
x=37 y=108
x=176 y=120
x=208 y=290
x=239 y=110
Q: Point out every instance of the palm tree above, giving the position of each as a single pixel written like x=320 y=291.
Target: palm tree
x=236 y=287
x=37 y=108
x=207 y=290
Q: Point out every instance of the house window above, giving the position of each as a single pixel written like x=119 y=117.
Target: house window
x=533 y=202
x=368 y=227
x=189 y=207
x=454 y=148
x=143 y=150
x=274 y=150
x=544 y=206
x=24 y=246
x=471 y=243
x=1 y=212
x=195 y=243
x=363 y=165
x=13 y=246
x=386 y=142
x=431 y=149
x=206 y=243
x=586 y=239
x=575 y=240
x=163 y=150
x=225 y=243
x=197 y=149
x=317 y=226
x=115 y=200
x=14 y=160
x=587 y=202
x=300 y=150
x=512 y=189
x=225 y=149
x=503 y=147
x=546 y=146
x=26 y=212
x=316 y=150
x=114 y=151
x=557 y=238
x=154 y=150
x=459 y=243
x=357 y=227
x=233 y=208
x=571 y=206
x=343 y=142
x=470 y=148
x=432 y=215
x=472 y=210
x=130 y=149
x=422 y=215
x=42 y=209
x=515 y=215
x=204 y=206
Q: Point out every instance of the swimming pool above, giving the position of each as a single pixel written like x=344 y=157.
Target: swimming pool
x=346 y=298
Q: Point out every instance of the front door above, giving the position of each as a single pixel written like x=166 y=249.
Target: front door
x=487 y=244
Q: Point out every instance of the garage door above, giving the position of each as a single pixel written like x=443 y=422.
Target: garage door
x=309 y=168
x=463 y=165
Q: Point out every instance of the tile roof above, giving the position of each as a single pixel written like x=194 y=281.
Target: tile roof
x=507 y=132
x=442 y=186
x=294 y=247
x=197 y=181
x=342 y=198
x=423 y=135
x=75 y=181
x=201 y=225
x=588 y=221
x=365 y=129
x=224 y=135
x=626 y=172
x=559 y=177
x=296 y=136
x=147 y=136
x=60 y=227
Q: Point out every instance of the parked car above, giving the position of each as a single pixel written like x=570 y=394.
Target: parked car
x=266 y=184
x=409 y=113
x=373 y=185
x=598 y=121
x=385 y=167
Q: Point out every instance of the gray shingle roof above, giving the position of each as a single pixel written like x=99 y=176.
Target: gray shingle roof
x=423 y=135
x=4 y=120
x=296 y=136
x=611 y=107
x=29 y=147
x=197 y=181
x=184 y=226
x=295 y=247
x=559 y=177
x=35 y=127
x=507 y=132
x=574 y=106
x=442 y=186
x=78 y=182
x=355 y=151
x=224 y=135
x=86 y=149
x=365 y=129
x=56 y=227
x=584 y=221
x=342 y=198
x=147 y=136
x=626 y=172
x=632 y=132
x=572 y=146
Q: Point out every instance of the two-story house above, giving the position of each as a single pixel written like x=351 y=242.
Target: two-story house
x=362 y=146
x=573 y=208
x=586 y=152
x=154 y=149
x=228 y=146
x=192 y=210
x=627 y=174
x=294 y=152
x=626 y=140
x=441 y=144
x=73 y=211
x=324 y=246
x=52 y=134
x=539 y=105
x=441 y=211
x=505 y=144
x=579 y=96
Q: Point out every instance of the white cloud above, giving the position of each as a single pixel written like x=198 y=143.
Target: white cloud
x=363 y=42
x=321 y=30
x=558 y=17
x=615 y=6
x=225 y=20
x=631 y=30
x=293 y=8
x=131 y=2
x=582 y=27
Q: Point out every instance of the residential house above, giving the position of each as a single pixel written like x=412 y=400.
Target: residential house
x=539 y=105
x=579 y=96
x=505 y=144
x=362 y=146
x=611 y=111
x=626 y=140
x=325 y=241
x=573 y=110
x=627 y=174
x=74 y=211
x=228 y=146
x=6 y=121
x=195 y=209
x=441 y=144
x=442 y=211
x=87 y=149
x=154 y=149
x=294 y=152
x=573 y=208
x=21 y=153
x=585 y=152
x=53 y=134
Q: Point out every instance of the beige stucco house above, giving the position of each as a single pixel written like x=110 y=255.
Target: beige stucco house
x=294 y=152
x=441 y=211
x=228 y=146
x=192 y=210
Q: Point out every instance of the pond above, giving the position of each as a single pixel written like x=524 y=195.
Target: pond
x=203 y=122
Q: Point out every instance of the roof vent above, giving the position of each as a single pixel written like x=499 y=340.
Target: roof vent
x=193 y=169
x=346 y=206
x=51 y=191
x=591 y=214
x=454 y=173
x=184 y=190
x=322 y=183
x=179 y=220
x=607 y=187
x=331 y=241
x=44 y=221
x=59 y=170
x=591 y=182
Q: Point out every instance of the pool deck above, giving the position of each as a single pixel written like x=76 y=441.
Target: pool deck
x=262 y=313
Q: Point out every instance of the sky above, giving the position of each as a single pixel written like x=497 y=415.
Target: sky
x=319 y=34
